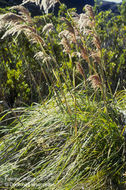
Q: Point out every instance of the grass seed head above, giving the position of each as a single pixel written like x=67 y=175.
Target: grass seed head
x=84 y=53
x=89 y=11
x=45 y=4
x=95 y=81
x=23 y=12
x=80 y=69
x=96 y=56
x=97 y=42
x=48 y=27
x=65 y=44
x=70 y=28
x=11 y=17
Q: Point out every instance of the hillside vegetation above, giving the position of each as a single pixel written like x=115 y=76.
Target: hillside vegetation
x=63 y=99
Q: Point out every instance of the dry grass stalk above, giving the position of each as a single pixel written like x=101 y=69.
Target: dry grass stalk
x=95 y=81
x=75 y=15
x=70 y=28
x=35 y=38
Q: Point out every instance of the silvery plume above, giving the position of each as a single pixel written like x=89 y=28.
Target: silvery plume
x=66 y=35
x=48 y=27
x=41 y=56
x=84 y=22
x=95 y=81
x=45 y=4
x=23 y=12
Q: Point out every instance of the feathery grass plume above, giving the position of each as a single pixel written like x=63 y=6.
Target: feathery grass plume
x=76 y=54
x=83 y=22
x=24 y=12
x=30 y=32
x=89 y=11
x=70 y=28
x=96 y=41
x=64 y=33
x=48 y=27
x=34 y=37
x=66 y=44
x=95 y=81
x=11 y=17
x=80 y=69
x=96 y=56
x=14 y=30
x=124 y=174
x=84 y=53
x=75 y=17
x=87 y=31
x=45 y=4
x=15 y=26
x=40 y=56
x=71 y=32
x=90 y=22
x=70 y=36
x=65 y=36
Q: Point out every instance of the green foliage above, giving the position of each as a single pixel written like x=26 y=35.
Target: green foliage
x=112 y=31
x=20 y=72
x=123 y=10
x=13 y=79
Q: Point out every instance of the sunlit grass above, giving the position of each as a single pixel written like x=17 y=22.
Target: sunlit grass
x=45 y=152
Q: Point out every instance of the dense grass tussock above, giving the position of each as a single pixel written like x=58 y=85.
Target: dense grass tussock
x=51 y=149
